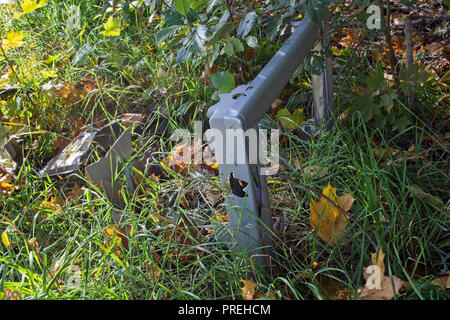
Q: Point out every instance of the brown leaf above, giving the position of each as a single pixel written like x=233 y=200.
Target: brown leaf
x=443 y=282
x=346 y=201
x=59 y=143
x=386 y=291
x=35 y=245
x=75 y=192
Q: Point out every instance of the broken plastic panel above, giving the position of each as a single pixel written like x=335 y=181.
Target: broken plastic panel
x=77 y=151
x=250 y=220
x=106 y=171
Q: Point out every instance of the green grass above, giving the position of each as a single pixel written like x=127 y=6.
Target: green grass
x=160 y=263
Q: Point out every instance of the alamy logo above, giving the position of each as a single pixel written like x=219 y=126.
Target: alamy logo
x=74 y=17
x=232 y=146
x=374 y=20
x=374 y=280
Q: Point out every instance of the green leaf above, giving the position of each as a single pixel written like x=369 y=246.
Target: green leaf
x=229 y=50
x=171 y=17
x=82 y=53
x=112 y=27
x=291 y=121
x=212 y=4
x=182 y=6
x=167 y=32
x=199 y=5
x=247 y=24
x=252 y=42
x=223 y=81
x=238 y=46
x=364 y=103
x=196 y=39
x=183 y=55
x=221 y=33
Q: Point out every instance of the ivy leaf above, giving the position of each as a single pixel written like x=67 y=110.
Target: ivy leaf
x=112 y=27
x=247 y=24
x=223 y=81
x=182 y=6
x=29 y=6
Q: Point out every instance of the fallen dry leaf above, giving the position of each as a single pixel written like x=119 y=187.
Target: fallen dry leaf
x=5 y=239
x=386 y=289
x=75 y=192
x=7 y=188
x=248 y=290
x=9 y=294
x=183 y=158
x=443 y=282
x=327 y=220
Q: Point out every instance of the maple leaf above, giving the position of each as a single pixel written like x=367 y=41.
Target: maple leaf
x=112 y=27
x=326 y=219
x=385 y=292
x=386 y=288
x=248 y=290
x=29 y=6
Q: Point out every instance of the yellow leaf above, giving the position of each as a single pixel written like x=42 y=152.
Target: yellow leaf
x=13 y=39
x=29 y=6
x=5 y=239
x=249 y=289
x=326 y=219
x=112 y=27
x=336 y=51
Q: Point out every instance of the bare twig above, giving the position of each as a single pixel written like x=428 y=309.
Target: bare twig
x=392 y=58
x=409 y=57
